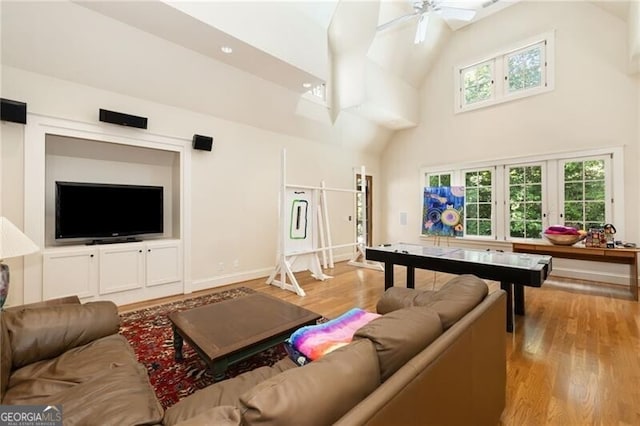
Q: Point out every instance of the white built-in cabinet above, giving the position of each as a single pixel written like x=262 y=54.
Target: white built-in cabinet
x=121 y=267
x=70 y=150
x=162 y=263
x=92 y=272
x=70 y=271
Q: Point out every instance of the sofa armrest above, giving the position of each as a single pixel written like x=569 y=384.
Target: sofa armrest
x=68 y=300
x=38 y=333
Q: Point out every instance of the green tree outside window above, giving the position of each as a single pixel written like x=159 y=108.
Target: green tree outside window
x=435 y=180
x=478 y=203
x=477 y=82
x=524 y=69
x=584 y=193
x=525 y=202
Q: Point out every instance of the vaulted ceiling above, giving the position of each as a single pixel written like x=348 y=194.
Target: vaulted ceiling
x=297 y=44
x=373 y=75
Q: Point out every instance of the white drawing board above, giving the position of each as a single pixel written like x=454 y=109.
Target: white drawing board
x=299 y=217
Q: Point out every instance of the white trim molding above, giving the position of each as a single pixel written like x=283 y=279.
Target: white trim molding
x=37 y=128
x=499 y=69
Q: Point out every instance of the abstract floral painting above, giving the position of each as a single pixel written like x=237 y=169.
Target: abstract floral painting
x=443 y=211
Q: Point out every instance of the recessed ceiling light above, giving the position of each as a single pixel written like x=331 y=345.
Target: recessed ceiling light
x=306 y=85
x=226 y=49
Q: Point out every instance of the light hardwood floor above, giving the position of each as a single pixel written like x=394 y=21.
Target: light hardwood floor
x=574 y=358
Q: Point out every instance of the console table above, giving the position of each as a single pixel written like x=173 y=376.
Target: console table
x=617 y=255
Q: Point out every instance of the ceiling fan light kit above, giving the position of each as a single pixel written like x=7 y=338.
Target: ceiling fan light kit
x=423 y=10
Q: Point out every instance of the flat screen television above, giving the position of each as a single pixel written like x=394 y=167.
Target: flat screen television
x=96 y=211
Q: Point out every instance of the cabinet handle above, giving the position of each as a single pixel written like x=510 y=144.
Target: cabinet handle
x=139 y=251
x=148 y=250
x=91 y=256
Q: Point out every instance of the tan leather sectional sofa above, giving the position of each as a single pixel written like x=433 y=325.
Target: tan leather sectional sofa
x=432 y=358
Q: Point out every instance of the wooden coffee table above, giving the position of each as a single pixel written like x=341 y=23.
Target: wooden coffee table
x=226 y=332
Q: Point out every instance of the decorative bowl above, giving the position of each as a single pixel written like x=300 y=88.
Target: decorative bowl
x=564 y=240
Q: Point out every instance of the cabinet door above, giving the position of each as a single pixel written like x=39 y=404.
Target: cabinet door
x=70 y=272
x=121 y=267
x=163 y=263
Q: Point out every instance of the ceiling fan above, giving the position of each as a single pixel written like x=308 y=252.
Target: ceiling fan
x=422 y=9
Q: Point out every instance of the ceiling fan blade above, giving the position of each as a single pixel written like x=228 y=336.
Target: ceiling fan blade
x=421 y=31
x=457 y=13
x=396 y=21
x=489 y=3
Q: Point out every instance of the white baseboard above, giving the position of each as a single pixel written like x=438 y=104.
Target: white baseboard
x=342 y=257
x=222 y=280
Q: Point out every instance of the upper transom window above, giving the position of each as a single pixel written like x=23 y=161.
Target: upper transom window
x=525 y=70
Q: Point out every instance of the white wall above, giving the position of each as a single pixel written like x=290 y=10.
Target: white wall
x=594 y=105
x=234 y=187
x=237 y=187
x=12 y=195
x=65 y=40
x=634 y=37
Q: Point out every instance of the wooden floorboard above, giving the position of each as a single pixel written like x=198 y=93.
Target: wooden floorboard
x=574 y=359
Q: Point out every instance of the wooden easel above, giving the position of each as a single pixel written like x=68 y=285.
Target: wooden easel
x=322 y=242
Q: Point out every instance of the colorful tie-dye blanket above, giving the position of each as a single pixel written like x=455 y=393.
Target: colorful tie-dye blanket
x=314 y=341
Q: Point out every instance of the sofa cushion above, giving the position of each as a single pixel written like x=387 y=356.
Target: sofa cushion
x=399 y=335
x=318 y=393
x=402 y=297
x=225 y=415
x=458 y=297
x=5 y=341
x=452 y=301
x=226 y=392
x=120 y=395
x=47 y=332
x=46 y=378
x=101 y=379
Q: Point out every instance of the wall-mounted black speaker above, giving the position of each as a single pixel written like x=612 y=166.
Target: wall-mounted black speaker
x=204 y=143
x=13 y=111
x=123 y=119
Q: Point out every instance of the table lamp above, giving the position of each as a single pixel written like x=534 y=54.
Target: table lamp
x=13 y=243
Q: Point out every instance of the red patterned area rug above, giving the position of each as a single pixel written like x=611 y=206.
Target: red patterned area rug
x=149 y=332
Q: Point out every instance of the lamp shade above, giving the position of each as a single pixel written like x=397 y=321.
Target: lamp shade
x=13 y=242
